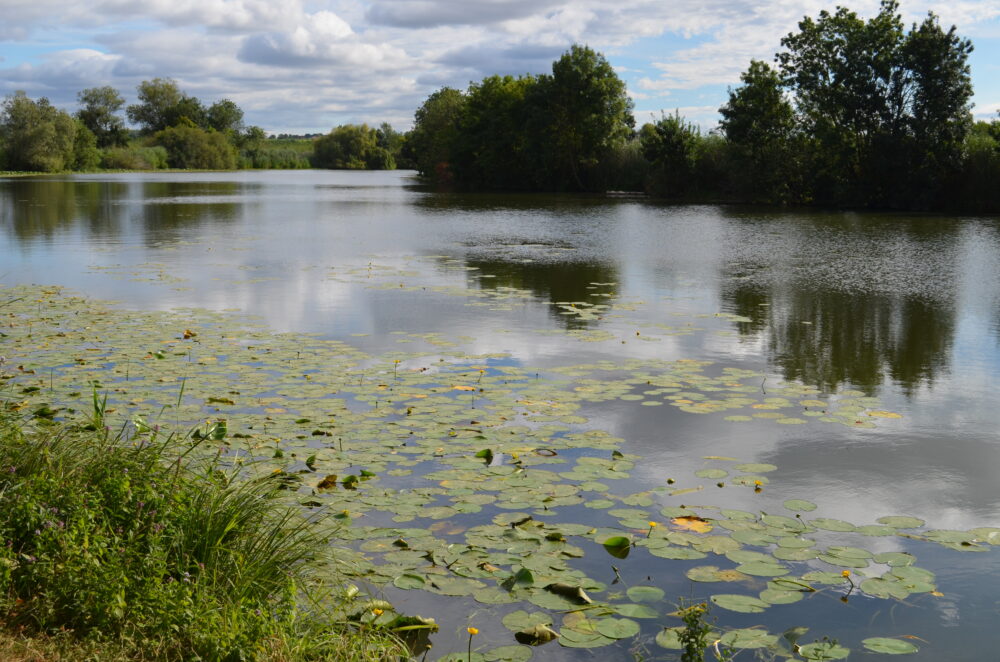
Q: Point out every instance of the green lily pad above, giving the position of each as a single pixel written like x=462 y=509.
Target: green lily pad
x=618 y=546
x=823 y=650
x=645 y=593
x=512 y=653
x=889 y=646
x=670 y=638
x=741 y=603
x=711 y=473
x=901 y=522
x=521 y=620
x=748 y=638
x=800 y=505
x=409 y=582
x=763 y=569
x=617 y=628
x=829 y=524
x=635 y=611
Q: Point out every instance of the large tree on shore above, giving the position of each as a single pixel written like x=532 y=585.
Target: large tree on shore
x=99 y=113
x=888 y=109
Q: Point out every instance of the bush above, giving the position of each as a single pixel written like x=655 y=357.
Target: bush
x=189 y=147
x=134 y=158
x=116 y=543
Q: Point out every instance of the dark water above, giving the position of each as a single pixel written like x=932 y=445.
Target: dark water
x=902 y=307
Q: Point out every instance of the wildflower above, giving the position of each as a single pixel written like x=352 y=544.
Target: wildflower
x=653 y=525
x=846 y=574
x=472 y=631
x=377 y=612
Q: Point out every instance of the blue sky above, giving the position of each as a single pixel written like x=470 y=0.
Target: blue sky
x=308 y=65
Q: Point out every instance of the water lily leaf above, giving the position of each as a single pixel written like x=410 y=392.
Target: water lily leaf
x=692 y=523
x=780 y=597
x=677 y=553
x=800 y=505
x=618 y=546
x=748 y=638
x=829 y=524
x=670 y=638
x=711 y=473
x=573 y=593
x=889 y=646
x=509 y=653
x=901 y=522
x=823 y=650
x=535 y=635
x=645 y=593
x=409 y=581
x=522 y=620
x=763 y=569
x=635 y=611
x=756 y=468
x=617 y=628
x=895 y=559
x=742 y=603
x=880 y=588
x=710 y=573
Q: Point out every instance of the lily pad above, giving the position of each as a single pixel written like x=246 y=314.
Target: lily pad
x=617 y=628
x=645 y=593
x=889 y=646
x=742 y=603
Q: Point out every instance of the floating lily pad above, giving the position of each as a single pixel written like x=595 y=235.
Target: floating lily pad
x=823 y=650
x=617 y=628
x=748 y=638
x=645 y=593
x=901 y=522
x=800 y=505
x=742 y=603
x=889 y=646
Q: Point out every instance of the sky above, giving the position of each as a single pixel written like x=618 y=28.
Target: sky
x=305 y=66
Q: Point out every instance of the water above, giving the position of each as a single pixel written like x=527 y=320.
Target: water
x=902 y=307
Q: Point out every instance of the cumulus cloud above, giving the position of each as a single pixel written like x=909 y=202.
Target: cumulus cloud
x=368 y=60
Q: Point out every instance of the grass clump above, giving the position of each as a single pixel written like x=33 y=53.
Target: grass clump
x=112 y=550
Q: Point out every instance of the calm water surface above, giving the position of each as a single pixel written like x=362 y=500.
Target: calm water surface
x=905 y=308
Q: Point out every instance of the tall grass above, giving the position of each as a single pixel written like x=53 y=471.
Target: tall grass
x=137 y=551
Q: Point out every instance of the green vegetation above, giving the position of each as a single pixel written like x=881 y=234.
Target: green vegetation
x=548 y=132
x=124 y=549
x=351 y=147
x=855 y=113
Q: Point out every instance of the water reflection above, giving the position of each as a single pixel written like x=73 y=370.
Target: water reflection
x=553 y=282
x=834 y=340
x=169 y=210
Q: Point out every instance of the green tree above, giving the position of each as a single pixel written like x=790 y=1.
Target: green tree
x=494 y=141
x=759 y=123
x=224 y=116
x=670 y=144
x=432 y=142
x=35 y=135
x=157 y=100
x=86 y=155
x=583 y=111
x=99 y=114
x=352 y=147
x=879 y=102
x=192 y=147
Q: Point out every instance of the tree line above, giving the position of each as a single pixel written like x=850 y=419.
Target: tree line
x=174 y=130
x=852 y=113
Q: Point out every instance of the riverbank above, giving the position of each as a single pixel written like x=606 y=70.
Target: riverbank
x=131 y=549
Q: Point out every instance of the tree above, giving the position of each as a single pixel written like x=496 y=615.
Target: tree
x=494 y=142
x=881 y=103
x=36 y=136
x=99 y=115
x=192 y=147
x=671 y=144
x=158 y=99
x=352 y=147
x=758 y=122
x=225 y=116
x=585 y=111
x=433 y=139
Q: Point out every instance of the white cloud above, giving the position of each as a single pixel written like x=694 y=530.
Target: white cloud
x=353 y=60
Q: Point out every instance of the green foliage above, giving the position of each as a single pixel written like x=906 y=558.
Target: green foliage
x=172 y=558
x=759 y=123
x=352 y=147
x=549 y=132
x=158 y=99
x=99 y=115
x=888 y=110
x=86 y=156
x=134 y=157
x=584 y=112
x=191 y=147
x=435 y=134
x=36 y=136
x=225 y=116
x=670 y=145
